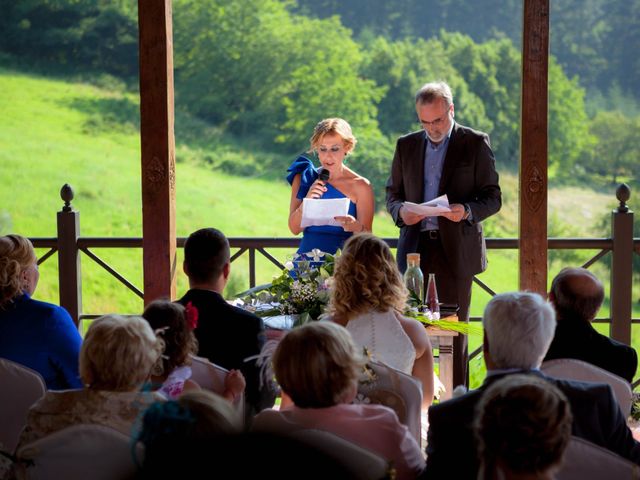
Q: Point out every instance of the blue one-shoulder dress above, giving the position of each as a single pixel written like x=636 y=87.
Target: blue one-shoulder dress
x=326 y=238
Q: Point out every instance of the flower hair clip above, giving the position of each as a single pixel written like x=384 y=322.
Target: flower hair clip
x=191 y=314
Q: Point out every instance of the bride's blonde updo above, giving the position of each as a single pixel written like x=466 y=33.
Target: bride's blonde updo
x=16 y=255
x=366 y=278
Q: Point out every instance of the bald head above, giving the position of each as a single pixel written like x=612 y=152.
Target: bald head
x=576 y=292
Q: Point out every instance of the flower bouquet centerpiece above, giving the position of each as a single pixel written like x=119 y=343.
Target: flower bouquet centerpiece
x=300 y=292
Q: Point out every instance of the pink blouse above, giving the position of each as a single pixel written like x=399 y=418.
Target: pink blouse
x=373 y=427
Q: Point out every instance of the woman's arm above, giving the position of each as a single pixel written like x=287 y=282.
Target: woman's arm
x=365 y=204
x=295 y=207
x=423 y=365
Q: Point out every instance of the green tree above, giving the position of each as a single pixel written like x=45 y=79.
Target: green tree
x=616 y=152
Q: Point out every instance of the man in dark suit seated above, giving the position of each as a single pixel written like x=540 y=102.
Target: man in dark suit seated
x=518 y=328
x=227 y=335
x=577 y=296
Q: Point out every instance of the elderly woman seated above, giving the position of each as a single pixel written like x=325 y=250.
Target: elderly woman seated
x=116 y=359
x=36 y=334
x=318 y=367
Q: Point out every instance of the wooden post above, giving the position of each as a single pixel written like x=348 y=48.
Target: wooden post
x=158 y=149
x=621 y=267
x=69 y=272
x=533 y=147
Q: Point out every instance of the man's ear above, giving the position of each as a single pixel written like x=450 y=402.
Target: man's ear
x=226 y=270
x=185 y=269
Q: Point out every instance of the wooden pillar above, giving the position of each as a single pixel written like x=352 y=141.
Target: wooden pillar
x=621 y=267
x=533 y=147
x=69 y=271
x=158 y=149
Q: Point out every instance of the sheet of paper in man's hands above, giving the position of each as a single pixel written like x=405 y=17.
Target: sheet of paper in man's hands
x=432 y=208
x=321 y=211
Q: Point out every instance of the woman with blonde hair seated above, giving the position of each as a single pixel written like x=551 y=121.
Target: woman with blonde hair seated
x=35 y=334
x=522 y=426
x=116 y=359
x=368 y=297
x=318 y=367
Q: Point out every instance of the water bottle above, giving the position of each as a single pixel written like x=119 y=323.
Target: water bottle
x=414 y=280
x=432 y=297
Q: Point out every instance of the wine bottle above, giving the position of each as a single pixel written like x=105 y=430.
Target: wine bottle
x=432 y=297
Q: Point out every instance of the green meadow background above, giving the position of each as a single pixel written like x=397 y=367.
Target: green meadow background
x=63 y=131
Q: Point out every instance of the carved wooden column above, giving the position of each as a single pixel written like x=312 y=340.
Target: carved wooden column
x=158 y=149
x=533 y=147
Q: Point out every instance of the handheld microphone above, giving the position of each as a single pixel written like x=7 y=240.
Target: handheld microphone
x=323 y=175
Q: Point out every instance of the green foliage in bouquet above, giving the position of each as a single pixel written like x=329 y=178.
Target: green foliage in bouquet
x=302 y=288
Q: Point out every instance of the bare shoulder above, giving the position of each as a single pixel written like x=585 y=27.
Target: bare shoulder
x=415 y=331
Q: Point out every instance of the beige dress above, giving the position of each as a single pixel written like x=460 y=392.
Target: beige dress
x=57 y=410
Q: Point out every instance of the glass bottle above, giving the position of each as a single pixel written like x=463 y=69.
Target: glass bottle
x=432 y=297
x=414 y=280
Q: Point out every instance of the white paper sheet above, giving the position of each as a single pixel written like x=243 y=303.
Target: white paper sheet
x=431 y=208
x=322 y=210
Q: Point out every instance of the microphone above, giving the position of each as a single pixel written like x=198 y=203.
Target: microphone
x=323 y=175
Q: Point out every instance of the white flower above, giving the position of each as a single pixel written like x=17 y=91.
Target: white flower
x=288 y=265
x=315 y=254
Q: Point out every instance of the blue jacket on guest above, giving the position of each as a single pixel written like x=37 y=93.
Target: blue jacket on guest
x=43 y=337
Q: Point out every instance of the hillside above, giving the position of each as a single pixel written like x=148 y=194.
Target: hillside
x=55 y=132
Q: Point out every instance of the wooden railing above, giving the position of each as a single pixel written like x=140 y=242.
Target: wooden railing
x=69 y=246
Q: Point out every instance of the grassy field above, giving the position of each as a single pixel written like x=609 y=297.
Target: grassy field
x=54 y=132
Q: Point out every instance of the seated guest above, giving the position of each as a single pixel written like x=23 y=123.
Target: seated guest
x=174 y=324
x=318 y=367
x=115 y=360
x=368 y=297
x=577 y=295
x=226 y=335
x=518 y=328
x=522 y=426
x=171 y=429
x=36 y=334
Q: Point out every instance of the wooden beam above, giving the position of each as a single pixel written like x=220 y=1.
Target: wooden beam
x=533 y=147
x=158 y=149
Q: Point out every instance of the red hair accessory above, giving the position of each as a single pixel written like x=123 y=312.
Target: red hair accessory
x=191 y=313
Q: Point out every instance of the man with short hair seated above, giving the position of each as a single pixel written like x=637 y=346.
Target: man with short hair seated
x=226 y=335
x=577 y=295
x=518 y=328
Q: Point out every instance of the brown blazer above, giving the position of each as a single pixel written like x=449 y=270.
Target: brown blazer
x=468 y=176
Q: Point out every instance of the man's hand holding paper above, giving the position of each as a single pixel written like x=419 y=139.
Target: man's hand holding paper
x=413 y=213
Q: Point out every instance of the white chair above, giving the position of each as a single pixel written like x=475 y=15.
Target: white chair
x=396 y=390
x=573 y=369
x=20 y=387
x=211 y=377
x=362 y=463
x=79 y=452
x=585 y=460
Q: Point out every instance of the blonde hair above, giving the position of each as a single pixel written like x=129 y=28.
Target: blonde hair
x=317 y=364
x=118 y=353
x=16 y=255
x=523 y=423
x=366 y=278
x=333 y=125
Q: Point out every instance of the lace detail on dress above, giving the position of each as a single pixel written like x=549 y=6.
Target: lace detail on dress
x=384 y=338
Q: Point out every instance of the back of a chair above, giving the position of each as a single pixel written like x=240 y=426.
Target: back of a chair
x=20 y=387
x=585 y=460
x=362 y=463
x=211 y=377
x=396 y=390
x=78 y=452
x=573 y=369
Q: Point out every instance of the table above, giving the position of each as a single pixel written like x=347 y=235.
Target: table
x=443 y=341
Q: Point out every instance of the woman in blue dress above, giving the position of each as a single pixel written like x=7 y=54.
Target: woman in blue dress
x=332 y=140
